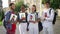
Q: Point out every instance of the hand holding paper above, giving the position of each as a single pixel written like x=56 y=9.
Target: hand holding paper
x=45 y=14
x=22 y=16
x=31 y=17
x=13 y=17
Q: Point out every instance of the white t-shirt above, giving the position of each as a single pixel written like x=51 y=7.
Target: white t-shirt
x=49 y=17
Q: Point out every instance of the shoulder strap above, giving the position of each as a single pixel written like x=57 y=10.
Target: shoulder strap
x=26 y=16
x=18 y=17
x=50 y=11
x=8 y=14
x=37 y=14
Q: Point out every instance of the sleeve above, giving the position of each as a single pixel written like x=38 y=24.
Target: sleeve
x=50 y=18
x=5 y=13
x=38 y=16
x=7 y=16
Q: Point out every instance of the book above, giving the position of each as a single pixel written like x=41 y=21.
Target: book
x=13 y=17
x=22 y=15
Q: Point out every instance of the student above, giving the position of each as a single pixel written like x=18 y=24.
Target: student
x=33 y=24
x=47 y=17
x=22 y=21
x=10 y=27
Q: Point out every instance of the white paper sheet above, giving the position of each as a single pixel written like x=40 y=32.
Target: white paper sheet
x=13 y=16
x=32 y=17
x=22 y=15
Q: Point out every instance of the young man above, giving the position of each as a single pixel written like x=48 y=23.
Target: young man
x=22 y=18
x=10 y=26
x=47 y=17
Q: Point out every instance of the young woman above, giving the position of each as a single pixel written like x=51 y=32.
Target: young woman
x=22 y=20
x=33 y=21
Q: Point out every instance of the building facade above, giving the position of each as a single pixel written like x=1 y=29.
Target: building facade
x=33 y=2
x=38 y=4
x=16 y=1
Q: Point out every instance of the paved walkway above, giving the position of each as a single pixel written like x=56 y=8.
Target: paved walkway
x=56 y=28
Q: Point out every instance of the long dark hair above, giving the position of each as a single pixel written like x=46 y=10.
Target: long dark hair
x=35 y=7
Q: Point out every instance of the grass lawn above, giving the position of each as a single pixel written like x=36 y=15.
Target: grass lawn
x=1 y=23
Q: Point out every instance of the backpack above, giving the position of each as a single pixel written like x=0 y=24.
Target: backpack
x=5 y=22
x=54 y=19
x=40 y=27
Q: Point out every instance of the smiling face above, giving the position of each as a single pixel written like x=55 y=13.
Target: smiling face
x=12 y=6
x=33 y=8
x=47 y=5
x=22 y=8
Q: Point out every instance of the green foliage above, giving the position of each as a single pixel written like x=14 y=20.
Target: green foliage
x=54 y=3
x=1 y=23
x=1 y=15
x=18 y=6
x=43 y=1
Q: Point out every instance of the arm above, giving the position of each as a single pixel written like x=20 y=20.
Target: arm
x=42 y=17
x=28 y=17
x=18 y=18
x=50 y=18
x=37 y=16
x=7 y=16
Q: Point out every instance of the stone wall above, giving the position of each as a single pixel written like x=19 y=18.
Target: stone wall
x=58 y=12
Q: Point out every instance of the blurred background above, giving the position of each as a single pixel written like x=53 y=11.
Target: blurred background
x=4 y=6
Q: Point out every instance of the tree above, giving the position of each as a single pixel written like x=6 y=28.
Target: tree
x=1 y=15
x=18 y=6
x=54 y=3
